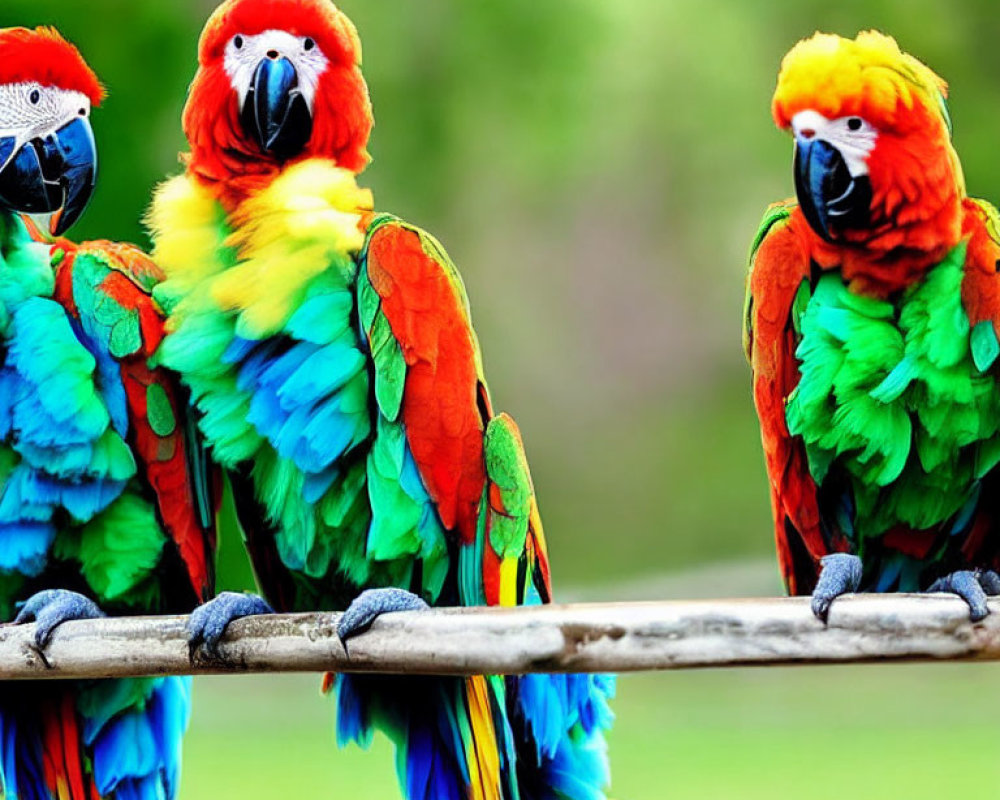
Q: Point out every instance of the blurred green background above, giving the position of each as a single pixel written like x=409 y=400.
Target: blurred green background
x=596 y=168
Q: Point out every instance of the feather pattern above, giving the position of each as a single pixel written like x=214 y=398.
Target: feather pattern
x=96 y=496
x=331 y=354
x=894 y=410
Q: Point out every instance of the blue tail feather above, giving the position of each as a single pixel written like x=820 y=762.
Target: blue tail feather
x=124 y=750
x=420 y=716
x=565 y=717
x=549 y=729
x=130 y=737
x=20 y=768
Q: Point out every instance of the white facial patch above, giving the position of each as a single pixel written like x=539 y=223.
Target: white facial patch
x=30 y=111
x=244 y=54
x=853 y=137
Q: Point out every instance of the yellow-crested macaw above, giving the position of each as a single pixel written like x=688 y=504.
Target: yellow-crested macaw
x=871 y=327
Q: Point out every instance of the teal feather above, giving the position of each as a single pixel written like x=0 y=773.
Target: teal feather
x=75 y=508
x=985 y=346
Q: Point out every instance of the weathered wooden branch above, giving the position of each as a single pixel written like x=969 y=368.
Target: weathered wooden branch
x=610 y=637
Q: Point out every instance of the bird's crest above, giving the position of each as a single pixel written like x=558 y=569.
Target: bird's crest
x=869 y=76
x=43 y=56
x=321 y=19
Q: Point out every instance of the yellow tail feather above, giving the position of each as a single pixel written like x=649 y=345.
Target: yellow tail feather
x=484 y=755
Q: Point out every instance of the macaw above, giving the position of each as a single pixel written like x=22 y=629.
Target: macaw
x=871 y=327
x=331 y=357
x=105 y=496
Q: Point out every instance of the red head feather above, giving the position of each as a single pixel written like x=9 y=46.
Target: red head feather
x=42 y=55
x=222 y=153
x=915 y=173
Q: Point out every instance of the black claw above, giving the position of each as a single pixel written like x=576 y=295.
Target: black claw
x=841 y=574
x=370 y=605
x=207 y=624
x=50 y=608
x=969 y=586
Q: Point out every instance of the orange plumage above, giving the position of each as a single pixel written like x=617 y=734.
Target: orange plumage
x=919 y=213
x=915 y=173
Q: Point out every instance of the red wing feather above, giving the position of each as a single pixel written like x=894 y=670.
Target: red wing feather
x=164 y=456
x=444 y=426
x=780 y=265
x=981 y=281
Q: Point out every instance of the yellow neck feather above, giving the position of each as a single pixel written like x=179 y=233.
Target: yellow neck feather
x=258 y=263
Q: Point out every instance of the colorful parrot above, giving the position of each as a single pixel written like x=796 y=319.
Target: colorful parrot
x=872 y=330
x=106 y=501
x=330 y=354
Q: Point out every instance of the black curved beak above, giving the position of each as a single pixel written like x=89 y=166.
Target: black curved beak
x=831 y=199
x=275 y=113
x=51 y=175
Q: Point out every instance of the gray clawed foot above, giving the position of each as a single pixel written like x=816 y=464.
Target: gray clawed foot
x=207 y=623
x=370 y=605
x=841 y=574
x=51 y=608
x=990 y=581
x=973 y=586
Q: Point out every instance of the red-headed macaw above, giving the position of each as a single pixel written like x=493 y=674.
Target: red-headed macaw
x=105 y=496
x=871 y=327
x=330 y=353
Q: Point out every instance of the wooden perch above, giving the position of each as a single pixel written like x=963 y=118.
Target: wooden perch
x=607 y=637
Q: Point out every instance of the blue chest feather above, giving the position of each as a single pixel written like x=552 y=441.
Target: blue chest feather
x=62 y=427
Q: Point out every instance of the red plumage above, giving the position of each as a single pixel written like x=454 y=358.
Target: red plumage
x=444 y=425
x=164 y=459
x=981 y=282
x=42 y=55
x=320 y=19
x=781 y=264
x=61 y=756
x=491 y=576
x=786 y=255
x=222 y=154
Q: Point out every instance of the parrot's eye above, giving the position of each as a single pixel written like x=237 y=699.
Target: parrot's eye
x=854 y=123
x=34 y=97
x=308 y=44
x=238 y=42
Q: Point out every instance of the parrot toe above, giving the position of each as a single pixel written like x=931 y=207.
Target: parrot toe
x=207 y=623
x=51 y=608
x=990 y=581
x=841 y=574
x=973 y=587
x=370 y=605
